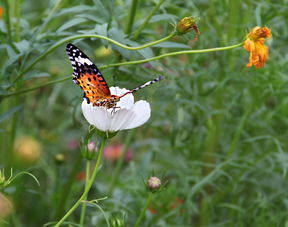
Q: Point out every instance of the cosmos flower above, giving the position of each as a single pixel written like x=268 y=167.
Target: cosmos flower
x=126 y=115
x=254 y=43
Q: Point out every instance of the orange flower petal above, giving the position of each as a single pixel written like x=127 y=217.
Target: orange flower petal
x=255 y=45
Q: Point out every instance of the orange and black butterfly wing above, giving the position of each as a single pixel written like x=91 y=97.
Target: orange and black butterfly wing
x=87 y=75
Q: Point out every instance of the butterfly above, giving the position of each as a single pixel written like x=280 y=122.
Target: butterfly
x=91 y=81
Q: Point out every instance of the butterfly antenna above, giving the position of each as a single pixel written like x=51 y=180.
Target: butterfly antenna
x=144 y=85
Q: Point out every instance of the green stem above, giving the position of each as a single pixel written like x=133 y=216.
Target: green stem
x=131 y=16
x=127 y=63
x=142 y=26
x=89 y=185
x=148 y=201
x=173 y=54
x=119 y=165
x=48 y=18
x=17 y=14
x=59 y=43
x=83 y=210
x=7 y=19
x=36 y=87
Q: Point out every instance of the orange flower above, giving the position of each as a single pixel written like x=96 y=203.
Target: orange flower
x=255 y=45
x=1 y=12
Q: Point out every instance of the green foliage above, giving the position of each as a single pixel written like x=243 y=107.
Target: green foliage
x=218 y=130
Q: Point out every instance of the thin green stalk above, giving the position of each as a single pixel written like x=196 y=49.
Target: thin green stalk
x=83 y=210
x=146 y=21
x=89 y=185
x=36 y=87
x=173 y=54
x=131 y=16
x=48 y=18
x=7 y=19
x=59 y=43
x=128 y=63
x=17 y=15
x=148 y=201
x=120 y=162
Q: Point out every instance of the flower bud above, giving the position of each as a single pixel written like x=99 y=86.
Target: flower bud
x=91 y=146
x=153 y=184
x=186 y=25
x=60 y=158
x=89 y=151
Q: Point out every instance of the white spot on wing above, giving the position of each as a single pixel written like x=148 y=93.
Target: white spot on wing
x=84 y=60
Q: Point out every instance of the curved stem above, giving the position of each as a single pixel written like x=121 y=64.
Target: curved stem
x=36 y=87
x=128 y=63
x=89 y=185
x=148 y=201
x=173 y=54
x=59 y=43
x=83 y=210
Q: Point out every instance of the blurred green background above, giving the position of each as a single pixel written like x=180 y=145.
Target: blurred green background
x=217 y=135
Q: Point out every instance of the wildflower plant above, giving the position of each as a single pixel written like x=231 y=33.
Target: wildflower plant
x=219 y=134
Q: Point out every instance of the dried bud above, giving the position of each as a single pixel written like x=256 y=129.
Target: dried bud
x=154 y=183
x=186 y=25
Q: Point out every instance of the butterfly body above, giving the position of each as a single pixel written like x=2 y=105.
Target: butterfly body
x=109 y=102
x=91 y=81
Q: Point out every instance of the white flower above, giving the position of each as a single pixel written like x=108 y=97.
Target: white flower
x=126 y=115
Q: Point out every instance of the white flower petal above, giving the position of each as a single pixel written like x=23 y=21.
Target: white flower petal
x=97 y=116
x=125 y=102
x=121 y=119
x=142 y=111
x=126 y=115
